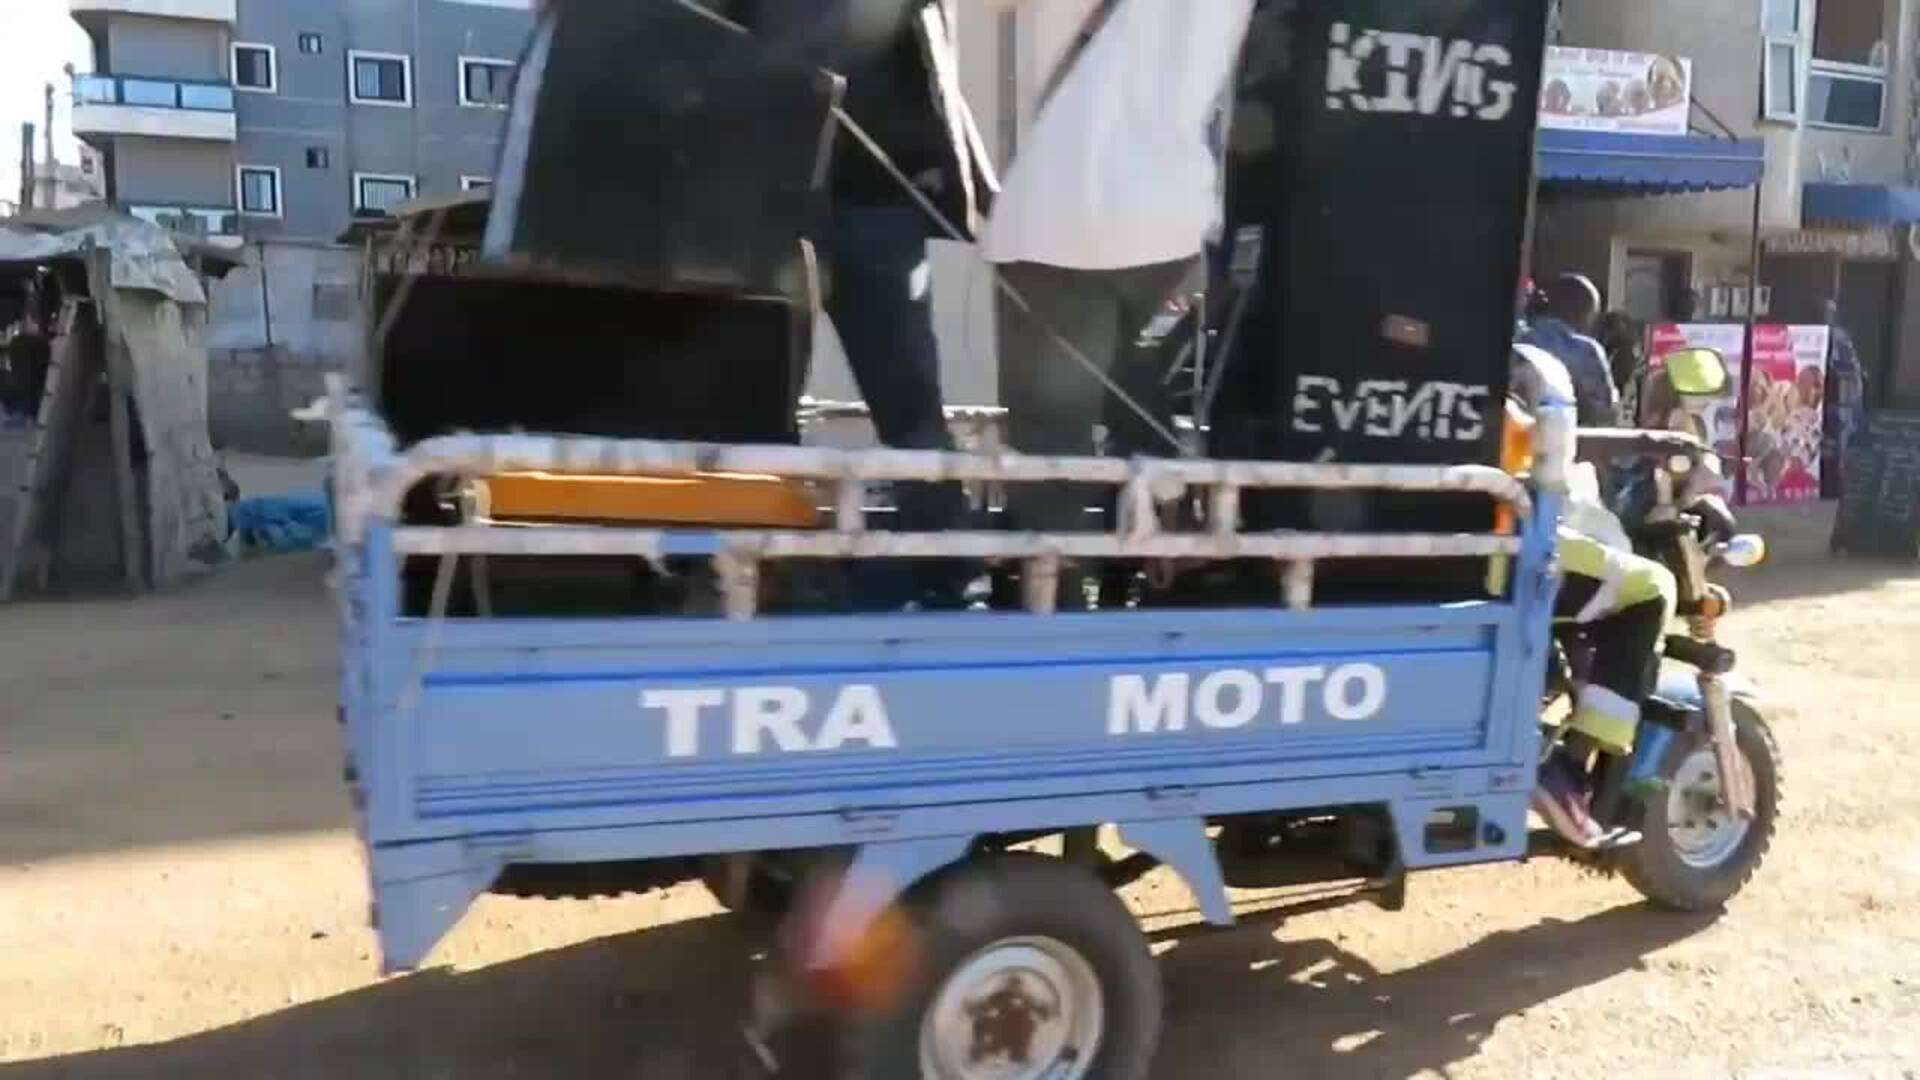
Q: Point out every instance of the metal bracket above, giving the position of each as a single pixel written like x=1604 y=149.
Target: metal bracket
x=1183 y=844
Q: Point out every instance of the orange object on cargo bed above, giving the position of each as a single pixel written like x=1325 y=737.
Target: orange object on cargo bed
x=720 y=499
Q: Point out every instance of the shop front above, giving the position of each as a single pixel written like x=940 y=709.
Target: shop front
x=1859 y=250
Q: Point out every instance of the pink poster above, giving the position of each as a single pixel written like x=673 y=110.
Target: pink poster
x=1784 y=417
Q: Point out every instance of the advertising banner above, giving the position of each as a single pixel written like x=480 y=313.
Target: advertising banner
x=1603 y=90
x=1784 y=417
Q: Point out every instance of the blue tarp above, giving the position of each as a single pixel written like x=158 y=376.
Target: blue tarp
x=1650 y=164
x=282 y=523
x=1860 y=204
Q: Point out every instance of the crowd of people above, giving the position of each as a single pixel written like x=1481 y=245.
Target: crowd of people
x=1605 y=352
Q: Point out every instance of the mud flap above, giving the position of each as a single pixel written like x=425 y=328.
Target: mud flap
x=419 y=892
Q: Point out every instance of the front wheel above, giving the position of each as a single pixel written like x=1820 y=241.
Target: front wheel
x=1696 y=853
x=1030 y=969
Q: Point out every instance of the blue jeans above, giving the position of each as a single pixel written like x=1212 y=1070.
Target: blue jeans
x=881 y=301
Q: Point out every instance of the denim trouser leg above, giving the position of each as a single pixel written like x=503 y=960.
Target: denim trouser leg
x=881 y=302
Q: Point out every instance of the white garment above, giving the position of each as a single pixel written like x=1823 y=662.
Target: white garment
x=1116 y=171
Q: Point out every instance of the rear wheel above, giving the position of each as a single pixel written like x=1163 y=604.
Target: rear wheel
x=1696 y=853
x=1031 y=969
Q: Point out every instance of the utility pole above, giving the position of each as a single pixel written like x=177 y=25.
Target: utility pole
x=51 y=161
x=26 y=166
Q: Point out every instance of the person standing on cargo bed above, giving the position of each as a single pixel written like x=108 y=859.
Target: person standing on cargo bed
x=903 y=89
x=1104 y=213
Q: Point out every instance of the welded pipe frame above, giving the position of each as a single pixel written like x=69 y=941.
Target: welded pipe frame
x=374 y=478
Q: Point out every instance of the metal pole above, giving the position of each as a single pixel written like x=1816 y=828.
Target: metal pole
x=266 y=300
x=1746 y=365
x=26 y=166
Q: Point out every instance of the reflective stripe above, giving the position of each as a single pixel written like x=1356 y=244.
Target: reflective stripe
x=1607 y=718
x=1625 y=580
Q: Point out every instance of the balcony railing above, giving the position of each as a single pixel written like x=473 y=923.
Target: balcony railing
x=105 y=105
x=211 y=222
x=152 y=93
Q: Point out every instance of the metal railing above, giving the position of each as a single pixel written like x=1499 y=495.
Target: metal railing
x=209 y=221
x=192 y=95
x=373 y=478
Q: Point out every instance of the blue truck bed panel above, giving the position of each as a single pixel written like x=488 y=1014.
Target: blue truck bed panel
x=477 y=743
x=603 y=724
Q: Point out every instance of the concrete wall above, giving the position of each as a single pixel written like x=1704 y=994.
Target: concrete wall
x=275 y=328
x=183 y=171
x=170 y=48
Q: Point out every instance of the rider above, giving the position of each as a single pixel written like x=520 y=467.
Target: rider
x=1623 y=601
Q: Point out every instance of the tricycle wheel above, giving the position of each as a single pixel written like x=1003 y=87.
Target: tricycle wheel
x=1029 y=968
x=1696 y=854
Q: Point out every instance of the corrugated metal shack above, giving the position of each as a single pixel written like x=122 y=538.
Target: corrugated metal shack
x=106 y=469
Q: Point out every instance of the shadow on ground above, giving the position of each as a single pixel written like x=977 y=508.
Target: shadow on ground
x=1799 y=565
x=662 y=1004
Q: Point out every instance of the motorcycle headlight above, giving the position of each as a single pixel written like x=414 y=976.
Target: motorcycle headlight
x=1745 y=551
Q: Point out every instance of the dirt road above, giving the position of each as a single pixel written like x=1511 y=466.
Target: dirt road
x=179 y=895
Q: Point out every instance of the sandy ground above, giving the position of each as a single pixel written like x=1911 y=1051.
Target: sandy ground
x=179 y=895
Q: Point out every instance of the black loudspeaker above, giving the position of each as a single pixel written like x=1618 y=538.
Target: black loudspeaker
x=656 y=145
x=1385 y=149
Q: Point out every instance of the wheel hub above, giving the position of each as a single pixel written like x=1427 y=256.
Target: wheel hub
x=1019 y=1009
x=1704 y=829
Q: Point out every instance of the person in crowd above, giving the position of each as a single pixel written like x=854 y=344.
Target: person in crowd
x=1843 y=407
x=1622 y=336
x=1564 y=329
x=1104 y=214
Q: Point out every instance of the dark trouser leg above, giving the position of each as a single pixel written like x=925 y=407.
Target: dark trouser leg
x=1054 y=402
x=1141 y=373
x=1625 y=646
x=881 y=302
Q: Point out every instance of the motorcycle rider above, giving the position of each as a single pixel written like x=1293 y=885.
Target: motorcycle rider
x=1622 y=601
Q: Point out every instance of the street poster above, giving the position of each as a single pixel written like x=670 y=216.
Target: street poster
x=1628 y=92
x=1784 y=411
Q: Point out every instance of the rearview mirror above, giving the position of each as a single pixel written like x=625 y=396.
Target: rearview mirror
x=1698 y=372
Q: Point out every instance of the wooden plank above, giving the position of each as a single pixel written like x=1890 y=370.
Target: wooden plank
x=58 y=423
x=126 y=496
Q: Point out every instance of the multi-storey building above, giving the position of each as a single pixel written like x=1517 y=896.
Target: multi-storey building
x=1828 y=88
x=268 y=119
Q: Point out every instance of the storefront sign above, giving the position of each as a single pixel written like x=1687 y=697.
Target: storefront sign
x=1862 y=245
x=1602 y=90
x=1784 y=410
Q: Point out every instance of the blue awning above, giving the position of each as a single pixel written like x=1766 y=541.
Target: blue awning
x=1861 y=204
x=1649 y=164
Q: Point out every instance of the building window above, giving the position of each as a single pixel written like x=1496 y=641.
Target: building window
x=1852 y=63
x=318 y=158
x=476 y=183
x=259 y=190
x=1785 y=61
x=255 y=68
x=312 y=44
x=375 y=193
x=486 y=83
x=379 y=78
x=332 y=302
